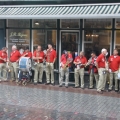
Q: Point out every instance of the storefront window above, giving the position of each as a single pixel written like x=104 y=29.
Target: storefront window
x=97 y=23
x=117 y=40
x=95 y=40
x=70 y=23
x=118 y=23
x=19 y=37
x=43 y=37
x=18 y=23
x=1 y=23
x=44 y=23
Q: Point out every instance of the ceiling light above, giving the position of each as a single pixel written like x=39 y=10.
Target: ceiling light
x=36 y=23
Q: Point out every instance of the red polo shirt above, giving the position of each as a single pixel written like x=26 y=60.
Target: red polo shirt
x=83 y=60
x=3 y=55
x=114 y=62
x=64 y=59
x=101 y=61
x=39 y=54
x=92 y=65
x=28 y=54
x=14 y=56
x=51 y=56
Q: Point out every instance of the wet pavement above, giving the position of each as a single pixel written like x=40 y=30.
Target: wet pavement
x=43 y=102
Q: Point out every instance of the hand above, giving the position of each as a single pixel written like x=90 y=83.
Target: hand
x=17 y=61
x=40 y=58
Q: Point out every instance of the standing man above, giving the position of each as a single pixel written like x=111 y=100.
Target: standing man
x=80 y=62
x=101 y=65
x=3 y=60
x=14 y=59
x=50 y=60
x=93 y=70
x=65 y=61
x=27 y=53
x=114 y=66
x=38 y=57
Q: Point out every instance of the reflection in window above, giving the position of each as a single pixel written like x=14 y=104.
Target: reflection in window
x=43 y=37
x=19 y=37
x=44 y=23
x=96 y=40
x=1 y=23
x=117 y=41
x=70 y=23
x=18 y=23
x=118 y=23
x=97 y=23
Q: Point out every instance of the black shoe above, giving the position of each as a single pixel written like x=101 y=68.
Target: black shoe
x=100 y=92
x=47 y=83
x=53 y=84
x=35 y=83
x=66 y=86
x=90 y=88
x=116 y=90
x=109 y=90
x=40 y=82
x=76 y=87
x=60 y=85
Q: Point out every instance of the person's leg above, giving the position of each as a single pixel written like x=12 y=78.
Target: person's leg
x=76 y=74
x=101 y=79
x=12 y=73
x=116 y=80
x=81 y=72
x=111 y=81
x=67 y=77
x=15 y=66
x=4 y=71
x=91 y=79
x=47 y=73
x=96 y=79
x=62 y=73
x=1 y=68
x=41 y=72
x=52 y=72
x=36 y=70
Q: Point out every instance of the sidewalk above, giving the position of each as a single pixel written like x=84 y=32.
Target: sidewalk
x=43 y=102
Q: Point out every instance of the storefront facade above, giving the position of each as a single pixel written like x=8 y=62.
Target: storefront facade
x=75 y=27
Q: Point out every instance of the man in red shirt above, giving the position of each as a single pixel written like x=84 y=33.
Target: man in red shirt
x=14 y=59
x=80 y=62
x=101 y=65
x=50 y=60
x=27 y=53
x=38 y=57
x=65 y=61
x=114 y=65
x=93 y=70
x=3 y=60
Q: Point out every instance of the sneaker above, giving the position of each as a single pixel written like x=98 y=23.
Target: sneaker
x=99 y=91
x=60 y=85
x=76 y=87
x=53 y=84
x=35 y=83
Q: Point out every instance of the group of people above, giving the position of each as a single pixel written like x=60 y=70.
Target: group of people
x=100 y=69
x=99 y=66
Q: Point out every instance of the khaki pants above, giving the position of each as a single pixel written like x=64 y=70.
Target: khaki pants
x=64 y=72
x=14 y=70
x=50 y=70
x=38 y=69
x=92 y=75
x=3 y=71
x=113 y=75
x=102 y=79
x=79 y=72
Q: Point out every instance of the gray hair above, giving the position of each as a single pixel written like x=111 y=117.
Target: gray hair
x=103 y=50
x=14 y=46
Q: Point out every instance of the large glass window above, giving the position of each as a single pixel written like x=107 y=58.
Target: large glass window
x=70 y=23
x=95 y=40
x=117 y=40
x=18 y=23
x=97 y=23
x=1 y=23
x=44 y=23
x=43 y=37
x=118 y=23
x=19 y=37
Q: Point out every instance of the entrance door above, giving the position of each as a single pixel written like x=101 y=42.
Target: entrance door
x=69 y=41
